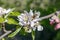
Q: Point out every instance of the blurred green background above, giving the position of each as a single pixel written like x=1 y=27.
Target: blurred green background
x=29 y=4
x=46 y=7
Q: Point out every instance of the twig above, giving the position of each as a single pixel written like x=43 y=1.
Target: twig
x=5 y=34
x=3 y=27
x=45 y=17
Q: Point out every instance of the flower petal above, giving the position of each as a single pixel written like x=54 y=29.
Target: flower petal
x=34 y=28
x=39 y=28
x=29 y=31
x=31 y=12
x=52 y=21
x=37 y=14
x=36 y=20
x=7 y=11
x=32 y=24
x=21 y=23
x=57 y=26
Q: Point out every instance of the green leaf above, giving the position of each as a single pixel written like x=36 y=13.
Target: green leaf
x=59 y=15
x=22 y=32
x=14 y=13
x=33 y=35
x=3 y=38
x=57 y=36
x=2 y=20
x=12 y=21
x=14 y=33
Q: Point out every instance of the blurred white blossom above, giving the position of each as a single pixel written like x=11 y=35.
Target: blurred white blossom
x=30 y=21
x=4 y=11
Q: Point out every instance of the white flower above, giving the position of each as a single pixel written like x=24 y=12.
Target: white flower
x=8 y=10
x=30 y=20
x=39 y=28
x=29 y=31
x=4 y=11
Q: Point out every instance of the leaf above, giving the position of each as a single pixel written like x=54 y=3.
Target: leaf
x=1 y=20
x=33 y=35
x=14 y=33
x=57 y=36
x=12 y=21
x=22 y=32
x=3 y=38
x=59 y=15
x=9 y=12
x=14 y=13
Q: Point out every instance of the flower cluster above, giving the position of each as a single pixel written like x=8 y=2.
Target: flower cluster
x=4 y=11
x=29 y=21
x=56 y=19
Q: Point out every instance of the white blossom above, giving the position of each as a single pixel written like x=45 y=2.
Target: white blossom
x=29 y=31
x=4 y=11
x=30 y=20
x=39 y=28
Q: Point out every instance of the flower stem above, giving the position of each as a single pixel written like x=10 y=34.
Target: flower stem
x=33 y=35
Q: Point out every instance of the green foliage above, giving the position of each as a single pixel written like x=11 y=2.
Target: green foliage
x=14 y=14
x=12 y=21
x=22 y=32
x=14 y=33
x=2 y=19
x=3 y=38
x=33 y=35
x=57 y=37
x=59 y=16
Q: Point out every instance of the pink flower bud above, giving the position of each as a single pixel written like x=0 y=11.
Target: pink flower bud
x=57 y=26
x=57 y=20
x=52 y=22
